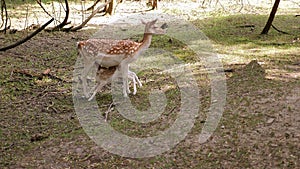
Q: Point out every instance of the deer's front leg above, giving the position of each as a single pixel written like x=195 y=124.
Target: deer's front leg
x=134 y=78
x=97 y=88
x=87 y=67
x=124 y=72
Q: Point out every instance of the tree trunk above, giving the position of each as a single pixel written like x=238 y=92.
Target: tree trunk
x=4 y=9
x=152 y=3
x=111 y=7
x=271 y=17
x=65 y=21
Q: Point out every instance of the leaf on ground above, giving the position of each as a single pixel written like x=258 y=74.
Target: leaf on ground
x=46 y=72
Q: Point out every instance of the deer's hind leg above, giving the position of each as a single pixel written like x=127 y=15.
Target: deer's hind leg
x=86 y=69
x=103 y=77
x=134 y=78
x=97 y=88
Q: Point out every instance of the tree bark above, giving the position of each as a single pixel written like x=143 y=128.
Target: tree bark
x=152 y=3
x=111 y=7
x=271 y=18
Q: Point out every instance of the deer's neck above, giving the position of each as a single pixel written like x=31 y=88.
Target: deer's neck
x=146 y=41
x=144 y=45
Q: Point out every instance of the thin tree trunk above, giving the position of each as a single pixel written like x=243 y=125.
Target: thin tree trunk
x=111 y=7
x=271 y=18
x=154 y=5
x=4 y=9
x=65 y=21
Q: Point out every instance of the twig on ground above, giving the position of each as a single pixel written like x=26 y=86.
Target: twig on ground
x=246 y=26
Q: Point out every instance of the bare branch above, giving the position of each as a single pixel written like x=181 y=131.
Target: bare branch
x=43 y=8
x=65 y=21
x=41 y=5
x=93 y=6
x=90 y=17
x=27 y=38
x=280 y=31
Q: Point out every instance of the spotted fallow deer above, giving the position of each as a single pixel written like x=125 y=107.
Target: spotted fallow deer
x=108 y=53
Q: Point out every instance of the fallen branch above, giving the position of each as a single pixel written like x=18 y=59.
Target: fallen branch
x=90 y=17
x=26 y=38
x=246 y=26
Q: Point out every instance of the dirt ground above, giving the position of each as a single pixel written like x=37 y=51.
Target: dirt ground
x=260 y=126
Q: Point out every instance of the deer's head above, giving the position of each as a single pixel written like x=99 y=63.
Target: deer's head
x=151 y=28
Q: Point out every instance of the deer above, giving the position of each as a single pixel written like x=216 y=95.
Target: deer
x=105 y=75
x=110 y=52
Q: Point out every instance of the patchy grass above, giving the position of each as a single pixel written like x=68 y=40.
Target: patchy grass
x=259 y=127
x=239 y=45
x=246 y=29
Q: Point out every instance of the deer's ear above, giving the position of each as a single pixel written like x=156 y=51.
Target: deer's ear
x=143 y=22
x=154 y=21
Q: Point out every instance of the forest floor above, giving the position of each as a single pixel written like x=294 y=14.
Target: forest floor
x=259 y=127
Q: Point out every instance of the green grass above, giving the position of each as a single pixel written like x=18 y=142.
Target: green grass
x=172 y=45
x=226 y=30
x=241 y=45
